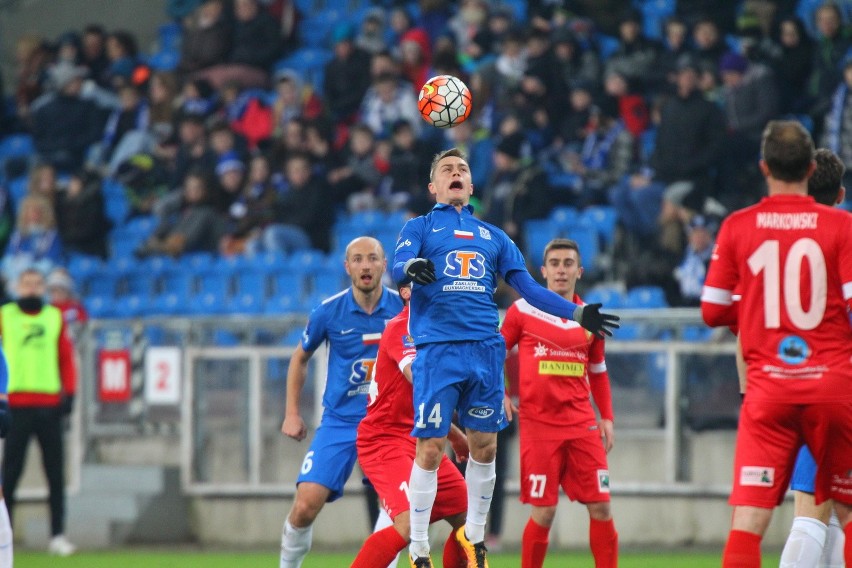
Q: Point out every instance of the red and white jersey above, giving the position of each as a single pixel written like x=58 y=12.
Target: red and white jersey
x=390 y=406
x=791 y=260
x=560 y=365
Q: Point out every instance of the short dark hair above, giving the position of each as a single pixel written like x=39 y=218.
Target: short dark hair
x=451 y=153
x=825 y=184
x=563 y=244
x=787 y=149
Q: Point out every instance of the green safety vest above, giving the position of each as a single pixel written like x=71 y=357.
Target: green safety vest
x=31 y=344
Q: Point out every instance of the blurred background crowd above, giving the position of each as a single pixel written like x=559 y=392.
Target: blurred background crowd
x=231 y=162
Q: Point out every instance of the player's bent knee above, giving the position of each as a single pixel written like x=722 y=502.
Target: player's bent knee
x=402 y=525
x=483 y=445
x=543 y=516
x=599 y=511
x=844 y=513
x=310 y=498
x=429 y=452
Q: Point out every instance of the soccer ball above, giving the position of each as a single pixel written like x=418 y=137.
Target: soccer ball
x=444 y=101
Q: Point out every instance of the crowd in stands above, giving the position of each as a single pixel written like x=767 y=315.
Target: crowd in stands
x=270 y=127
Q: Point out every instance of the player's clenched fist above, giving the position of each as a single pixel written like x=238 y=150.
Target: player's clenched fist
x=420 y=270
x=294 y=427
x=591 y=318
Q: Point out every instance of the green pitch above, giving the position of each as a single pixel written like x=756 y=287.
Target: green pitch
x=146 y=559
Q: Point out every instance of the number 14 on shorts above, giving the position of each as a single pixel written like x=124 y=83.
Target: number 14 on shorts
x=434 y=416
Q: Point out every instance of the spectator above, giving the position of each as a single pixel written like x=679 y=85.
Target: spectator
x=122 y=53
x=409 y=160
x=499 y=79
x=477 y=145
x=145 y=182
x=223 y=140
x=32 y=57
x=371 y=37
x=708 y=43
x=288 y=18
x=189 y=224
x=630 y=105
x=384 y=63
x=247 y=113
x=61 y=294
x=64 y=125
x=256 y=42
x=675 y=45
x=206 y=37
x=193 y=151
x=793 y=67
x=252 y=211
x=162 y=92
x=636 y=56
x=68 y=48
x=416 y=56
x=387 y=102
x=42 y=182
x=574 y=64
x=198 y=97
x=94 y=53
x=347 y=75
x=400 y=22
x=837 y=134
x=35 y=242
x=82 y=222
x=293 y=99
x=690 y=273
x=355 y=180
x=750 y=102
x=833 y=41
x=230 y=173
x=302 y=218
x=126 y=132
x=575 y=126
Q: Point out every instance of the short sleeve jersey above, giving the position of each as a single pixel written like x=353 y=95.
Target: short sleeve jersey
x=353 y=338
x=555 y=359
x=389 y=410
x=791 y=260
x=468 y=255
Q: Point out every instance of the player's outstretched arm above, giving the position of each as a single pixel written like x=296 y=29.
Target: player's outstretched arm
x=297 y=374
x=588 y=316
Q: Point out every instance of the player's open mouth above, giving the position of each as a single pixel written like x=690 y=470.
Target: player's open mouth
x=366 y=278
x=456 y=185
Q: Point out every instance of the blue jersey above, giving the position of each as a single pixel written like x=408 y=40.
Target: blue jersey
x=353 y=340
x=468 y=255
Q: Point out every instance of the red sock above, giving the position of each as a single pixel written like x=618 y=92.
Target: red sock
x=847 y=548
x=742 y=550
x=453 y=555
x=603 y=540
x=380 y=549
x=534 y=545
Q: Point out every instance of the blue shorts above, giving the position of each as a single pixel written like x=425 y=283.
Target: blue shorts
x=461 y=375
x=331 y=457
x=804 y=473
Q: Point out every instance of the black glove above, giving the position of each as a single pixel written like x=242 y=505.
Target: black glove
x=66 y=406
x=420 y=270
x=5 y=418
x=591 y=318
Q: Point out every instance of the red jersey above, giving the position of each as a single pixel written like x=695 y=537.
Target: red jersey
x=390 y=408
x=560 y=365
x=791 y=260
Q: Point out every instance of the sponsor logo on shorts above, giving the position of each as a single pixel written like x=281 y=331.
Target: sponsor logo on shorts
x=757 y=476
x=481 y=412
x=793 y=350
x=603 y=480
x=561 y=368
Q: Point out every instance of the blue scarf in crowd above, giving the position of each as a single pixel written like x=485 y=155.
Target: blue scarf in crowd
x=596 y=147
x=834 y=118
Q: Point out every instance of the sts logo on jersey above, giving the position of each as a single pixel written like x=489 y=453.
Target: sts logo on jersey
x=362 y=374
x=465 y=264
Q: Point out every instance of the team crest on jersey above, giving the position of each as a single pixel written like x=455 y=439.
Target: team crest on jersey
x=757 y=476
x=362 y=374
x=485 y=233
x=603 y=480
x=793 y=350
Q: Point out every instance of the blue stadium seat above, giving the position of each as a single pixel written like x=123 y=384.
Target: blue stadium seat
x=231 y=264
x=160 y=264
x=587 y=241
x=654 y=15
x=215 y=283
x=611 y=298
x=293 y=337
x=268 y=261
x=607 y=45
x=326 y=286
x=537 y=233
x=82 y=265
x=283 y=304
x=253 y=283
x=154 y=335
x=101 y=284
x=564 y=217
x=177 y=282
x=603 y=218
x=288 y=283
x=305 y=261
x=16 y=146
x=168 y=304
x=164 y=60
x=225 y=338
x=367 y=221
x=18 y=190
x=198 y=261
x=169 y=35
x=141 y=225
x=140 y=283
x=131 y=306
x=645 y=297
x=629 y=332
x=208 y=304
x=343 y=233
x=247 y=304
x=117 y=208
x=99 y=307
x=122 y=247
x=309 y=62
x=123 y=265
x=696 y=333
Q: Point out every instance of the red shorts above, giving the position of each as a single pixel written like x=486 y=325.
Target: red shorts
x=578 y=465
x=768 y=440
x=388 y=467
